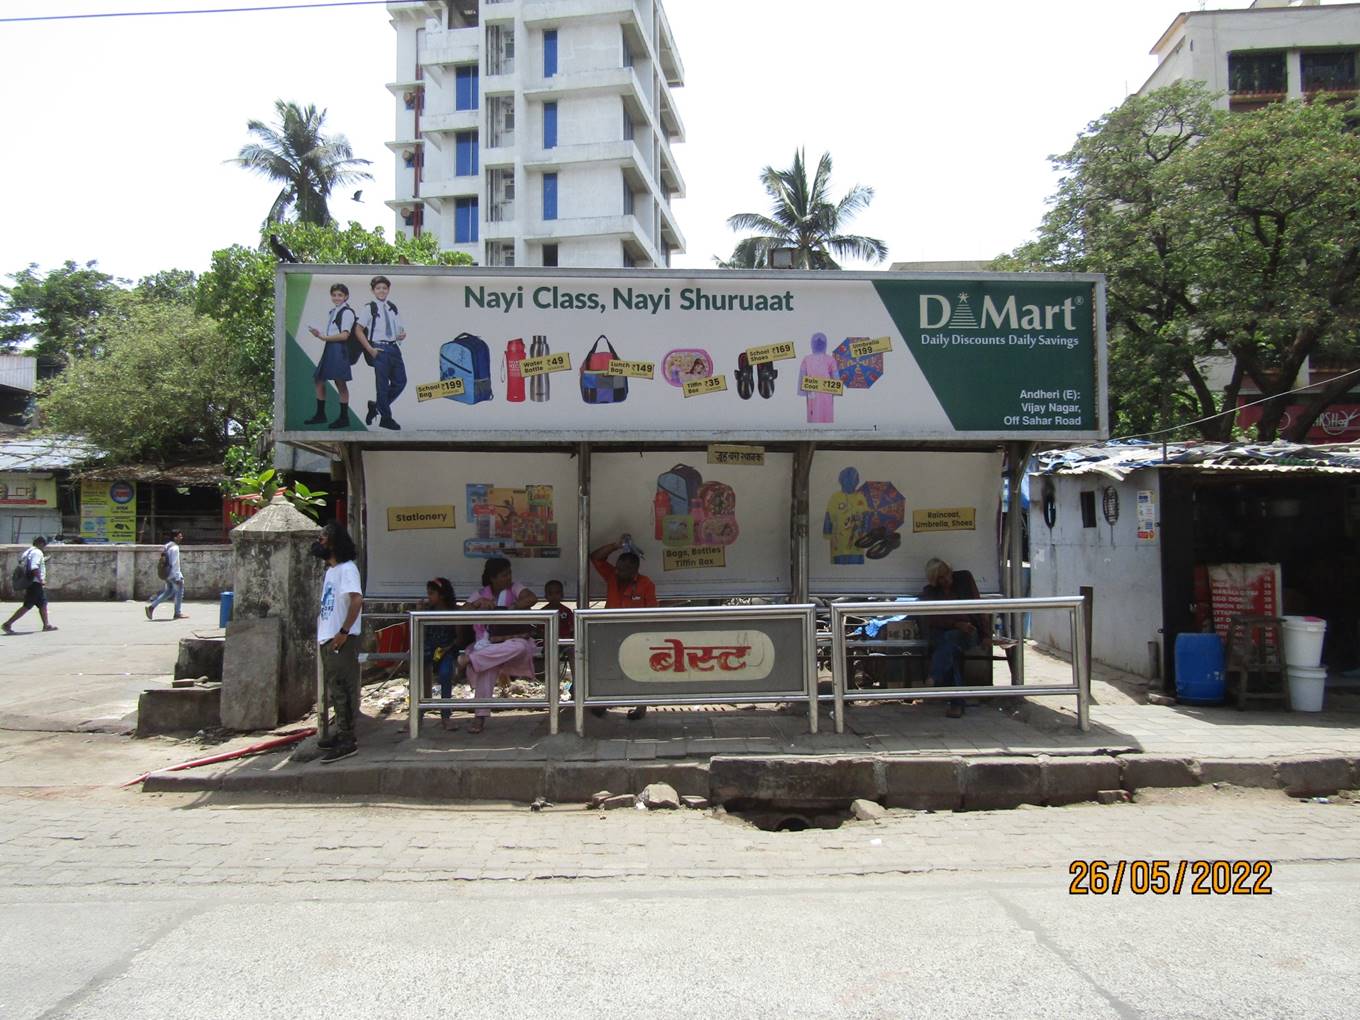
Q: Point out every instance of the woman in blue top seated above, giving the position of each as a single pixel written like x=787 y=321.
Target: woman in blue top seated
x=443 y=642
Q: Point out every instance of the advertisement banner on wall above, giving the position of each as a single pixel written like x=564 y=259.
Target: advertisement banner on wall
x=536 y=355
x=876 y=517
x=108 y=511
x=700 y=529
x=27 y=490
x=443 y=514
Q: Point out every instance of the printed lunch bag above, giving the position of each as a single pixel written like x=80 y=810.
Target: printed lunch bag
x=467 y=357
x=596 y=387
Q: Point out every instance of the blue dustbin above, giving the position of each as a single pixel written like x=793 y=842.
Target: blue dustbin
x=224 y=608
x=1199 y=669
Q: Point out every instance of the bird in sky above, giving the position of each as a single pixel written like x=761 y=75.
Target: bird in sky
x=358 y=195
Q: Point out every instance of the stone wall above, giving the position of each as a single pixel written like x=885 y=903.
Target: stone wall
x=92 y=573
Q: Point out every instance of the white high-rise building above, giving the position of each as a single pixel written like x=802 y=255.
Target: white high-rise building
x=538 y=132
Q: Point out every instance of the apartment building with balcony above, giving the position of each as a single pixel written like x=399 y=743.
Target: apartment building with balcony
x=1272 y=50
x=538 y=132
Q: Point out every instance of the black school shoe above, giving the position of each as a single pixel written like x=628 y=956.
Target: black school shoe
x=372 y=412
x=339 y=753
x=389 y=423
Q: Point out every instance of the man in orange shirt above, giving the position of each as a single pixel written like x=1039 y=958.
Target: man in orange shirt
x=625 y=588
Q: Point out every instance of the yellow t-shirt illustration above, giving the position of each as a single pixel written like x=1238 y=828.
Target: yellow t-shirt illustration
x=845 y=513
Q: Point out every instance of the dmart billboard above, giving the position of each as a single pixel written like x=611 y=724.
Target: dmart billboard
x=540 y=355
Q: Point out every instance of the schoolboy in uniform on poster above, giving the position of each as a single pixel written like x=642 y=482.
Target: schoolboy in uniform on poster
x=384 y=333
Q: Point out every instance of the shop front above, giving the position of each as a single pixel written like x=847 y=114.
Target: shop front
x=768 y=441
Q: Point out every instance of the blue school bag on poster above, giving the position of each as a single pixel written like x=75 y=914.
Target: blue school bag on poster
x=467 y=357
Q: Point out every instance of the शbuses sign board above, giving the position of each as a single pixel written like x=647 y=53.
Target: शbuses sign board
x=566 y=355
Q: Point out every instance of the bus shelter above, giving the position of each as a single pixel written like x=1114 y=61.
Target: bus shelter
x=786 y=450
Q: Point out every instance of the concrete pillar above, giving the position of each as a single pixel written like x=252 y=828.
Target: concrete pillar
x=125 y=573
x=276 y=577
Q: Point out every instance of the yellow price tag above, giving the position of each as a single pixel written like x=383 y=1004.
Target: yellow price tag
x=560 y=362
x=770 y=352
x=833 y=386
x=633 y=369
x=715 y=384
x=435 y=390
x=864 y=348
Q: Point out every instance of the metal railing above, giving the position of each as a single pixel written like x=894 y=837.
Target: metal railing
x=583 y=699
x=1081 y=681
x=546 y=618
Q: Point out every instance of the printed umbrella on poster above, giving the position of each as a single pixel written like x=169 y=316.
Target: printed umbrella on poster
x=887 y=507
x=857 y=373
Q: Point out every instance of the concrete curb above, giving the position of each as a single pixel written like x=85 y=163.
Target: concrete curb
x=935 y=783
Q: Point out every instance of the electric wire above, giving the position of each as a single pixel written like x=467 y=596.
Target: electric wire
x=204 y=10
x=1233 y=410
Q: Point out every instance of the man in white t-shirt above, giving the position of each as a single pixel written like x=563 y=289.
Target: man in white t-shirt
x=34 y=561
x=337 y=633
x=174 y=578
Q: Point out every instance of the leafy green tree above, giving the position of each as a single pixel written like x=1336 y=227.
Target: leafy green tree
x=1223 y=237
x=159 y=383
x=179 y=285
x=238 y=292
x=804 y=217
x=56 y=314
x=308 y=163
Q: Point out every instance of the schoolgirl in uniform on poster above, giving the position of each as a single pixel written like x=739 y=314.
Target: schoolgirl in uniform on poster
x=333 y=366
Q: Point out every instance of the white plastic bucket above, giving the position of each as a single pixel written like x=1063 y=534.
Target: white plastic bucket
x=1303 y=640
x=1306 y=687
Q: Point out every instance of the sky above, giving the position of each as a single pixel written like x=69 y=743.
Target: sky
x=120 y=130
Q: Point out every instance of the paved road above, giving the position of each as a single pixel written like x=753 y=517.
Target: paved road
x=132 y=905
x=88 y=674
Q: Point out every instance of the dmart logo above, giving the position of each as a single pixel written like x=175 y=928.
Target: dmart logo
x=940 y=312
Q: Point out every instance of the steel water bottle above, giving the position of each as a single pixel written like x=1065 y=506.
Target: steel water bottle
x=514 y=383
x=539 y=384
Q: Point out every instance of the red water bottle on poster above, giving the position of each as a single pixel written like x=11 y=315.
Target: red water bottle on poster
x=661 y=506
x=514 y=386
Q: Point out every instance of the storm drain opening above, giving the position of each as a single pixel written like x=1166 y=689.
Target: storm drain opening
x=770 y=817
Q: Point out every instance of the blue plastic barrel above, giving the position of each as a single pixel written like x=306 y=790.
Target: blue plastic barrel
x=224 y=608
x=1199 y=669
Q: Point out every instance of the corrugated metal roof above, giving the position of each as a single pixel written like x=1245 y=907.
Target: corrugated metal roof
x=46 y=453
x=1118 y=460
x=19 y=372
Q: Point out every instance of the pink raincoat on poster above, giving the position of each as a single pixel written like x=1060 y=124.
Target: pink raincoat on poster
x=821 y=407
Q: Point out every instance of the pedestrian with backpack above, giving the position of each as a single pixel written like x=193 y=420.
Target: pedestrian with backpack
x=337 y=355
x=382 y=336
x=168 y=570
x=32 y=568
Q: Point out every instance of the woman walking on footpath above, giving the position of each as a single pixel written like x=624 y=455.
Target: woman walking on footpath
x=34 y=562
x=174 y=578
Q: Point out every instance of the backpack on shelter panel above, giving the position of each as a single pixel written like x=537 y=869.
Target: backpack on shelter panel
x=467 y=357
x=677 y=497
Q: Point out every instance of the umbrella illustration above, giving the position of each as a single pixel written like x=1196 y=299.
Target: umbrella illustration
x=887 y=513
x=857 y=373
x=887 y=506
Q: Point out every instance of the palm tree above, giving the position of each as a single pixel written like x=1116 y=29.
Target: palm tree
x=309 y=163
x=805 y=219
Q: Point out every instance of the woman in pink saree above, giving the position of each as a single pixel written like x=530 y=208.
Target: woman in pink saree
x=492 y=654
x=821 y=407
